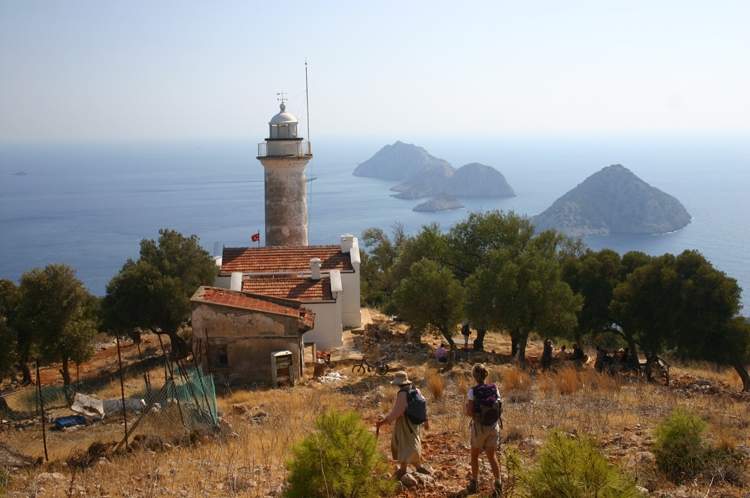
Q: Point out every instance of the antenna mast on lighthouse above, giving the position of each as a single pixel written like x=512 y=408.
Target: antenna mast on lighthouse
x=307 y=103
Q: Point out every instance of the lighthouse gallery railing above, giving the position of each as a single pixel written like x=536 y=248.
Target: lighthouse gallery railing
x=273 y=149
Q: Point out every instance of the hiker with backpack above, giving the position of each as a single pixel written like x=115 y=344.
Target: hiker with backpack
x=409 y=414
x=485 y=409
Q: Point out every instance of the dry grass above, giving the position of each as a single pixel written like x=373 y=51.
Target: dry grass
x=462 y=384
x=515 y=379
x=437 y=386
x=246 y=459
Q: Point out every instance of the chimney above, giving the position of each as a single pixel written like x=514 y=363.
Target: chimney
x=218 y=253
x=347 y=241
x=235 y=283
x=315 y=268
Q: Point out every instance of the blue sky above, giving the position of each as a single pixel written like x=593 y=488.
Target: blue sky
x=117 y=70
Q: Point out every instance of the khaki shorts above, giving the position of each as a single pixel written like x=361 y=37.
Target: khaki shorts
x=483 y=436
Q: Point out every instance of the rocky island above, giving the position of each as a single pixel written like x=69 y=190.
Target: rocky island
x=423 y=175
x=613 y=201
x=441 y=202
x=400 y=161
x=478 y=180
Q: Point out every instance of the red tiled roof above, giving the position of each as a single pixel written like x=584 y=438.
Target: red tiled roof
x=283 y=259
x=289 y=287
x=256 y=303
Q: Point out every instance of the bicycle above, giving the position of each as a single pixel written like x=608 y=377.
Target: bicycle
x=381 y=368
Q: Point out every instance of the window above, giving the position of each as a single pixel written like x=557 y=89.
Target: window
x=220 y=356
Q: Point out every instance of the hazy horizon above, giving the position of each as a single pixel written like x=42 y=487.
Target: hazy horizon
x=103 y=71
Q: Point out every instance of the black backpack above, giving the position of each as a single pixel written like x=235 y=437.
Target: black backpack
x=488 y=408
x=416 y=407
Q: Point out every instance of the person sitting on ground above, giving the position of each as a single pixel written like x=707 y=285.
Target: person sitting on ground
x=578 y=353
x=482 y=400
x=625 y=356
x=441 y=354
x=601 y=355
x=562 y=355
x=406 y=442
x=547 y=355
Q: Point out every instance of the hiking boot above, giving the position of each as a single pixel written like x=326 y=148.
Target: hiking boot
x=498 y=488
x=472 y=487
x=399 y=474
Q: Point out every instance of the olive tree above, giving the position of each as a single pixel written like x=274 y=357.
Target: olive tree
x=154 y=292
x=53 y=308
x=431 y=296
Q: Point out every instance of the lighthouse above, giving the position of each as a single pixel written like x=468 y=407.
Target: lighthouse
x=284 y=156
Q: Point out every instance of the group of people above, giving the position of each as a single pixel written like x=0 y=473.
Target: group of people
x=605 y=361
x=409 y=415
x=563 y=355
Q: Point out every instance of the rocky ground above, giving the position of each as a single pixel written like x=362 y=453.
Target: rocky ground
x=246 y=456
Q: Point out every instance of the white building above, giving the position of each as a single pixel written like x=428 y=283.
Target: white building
x=325 y=278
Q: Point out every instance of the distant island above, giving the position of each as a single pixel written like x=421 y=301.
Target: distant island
x=20 y=173
x=442 y=202
x=423 y=175
x=613 y=201
x=400 y=161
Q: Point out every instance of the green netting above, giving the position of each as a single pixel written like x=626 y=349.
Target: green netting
x=184 y=402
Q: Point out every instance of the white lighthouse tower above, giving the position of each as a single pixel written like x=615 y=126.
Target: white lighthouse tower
x=284 y=156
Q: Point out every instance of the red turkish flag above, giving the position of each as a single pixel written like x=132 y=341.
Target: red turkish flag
x=256 y=237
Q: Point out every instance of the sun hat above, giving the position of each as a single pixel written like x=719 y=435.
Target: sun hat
x=400 y=379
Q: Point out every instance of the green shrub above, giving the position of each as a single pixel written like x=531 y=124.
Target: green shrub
x=680 y=449
x=573 y=469
x=339 y=459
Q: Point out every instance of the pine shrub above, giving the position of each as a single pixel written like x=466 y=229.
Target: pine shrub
x=680 y=449
x=573 y=468
x=340 y=459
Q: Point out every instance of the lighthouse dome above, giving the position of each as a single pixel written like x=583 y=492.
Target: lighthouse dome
x=283 y=126
x=283 y=116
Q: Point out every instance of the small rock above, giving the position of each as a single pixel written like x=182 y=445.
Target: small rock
x=409 y=481
x=645 y=456
x=425 y=469
x=240 y=408
x=51 y=476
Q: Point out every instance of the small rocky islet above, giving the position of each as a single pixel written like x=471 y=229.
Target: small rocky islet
x=442 y=202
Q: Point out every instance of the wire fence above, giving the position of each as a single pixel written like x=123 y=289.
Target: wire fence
x=54 y=422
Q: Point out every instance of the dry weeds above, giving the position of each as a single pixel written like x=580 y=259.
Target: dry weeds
x=246 y=457
x=437 y=386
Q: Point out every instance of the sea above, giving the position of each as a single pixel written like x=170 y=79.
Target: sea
x=90 y=204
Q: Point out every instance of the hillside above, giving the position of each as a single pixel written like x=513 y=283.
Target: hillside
x=400 y=161
x=613 y=201
x=258 y=426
